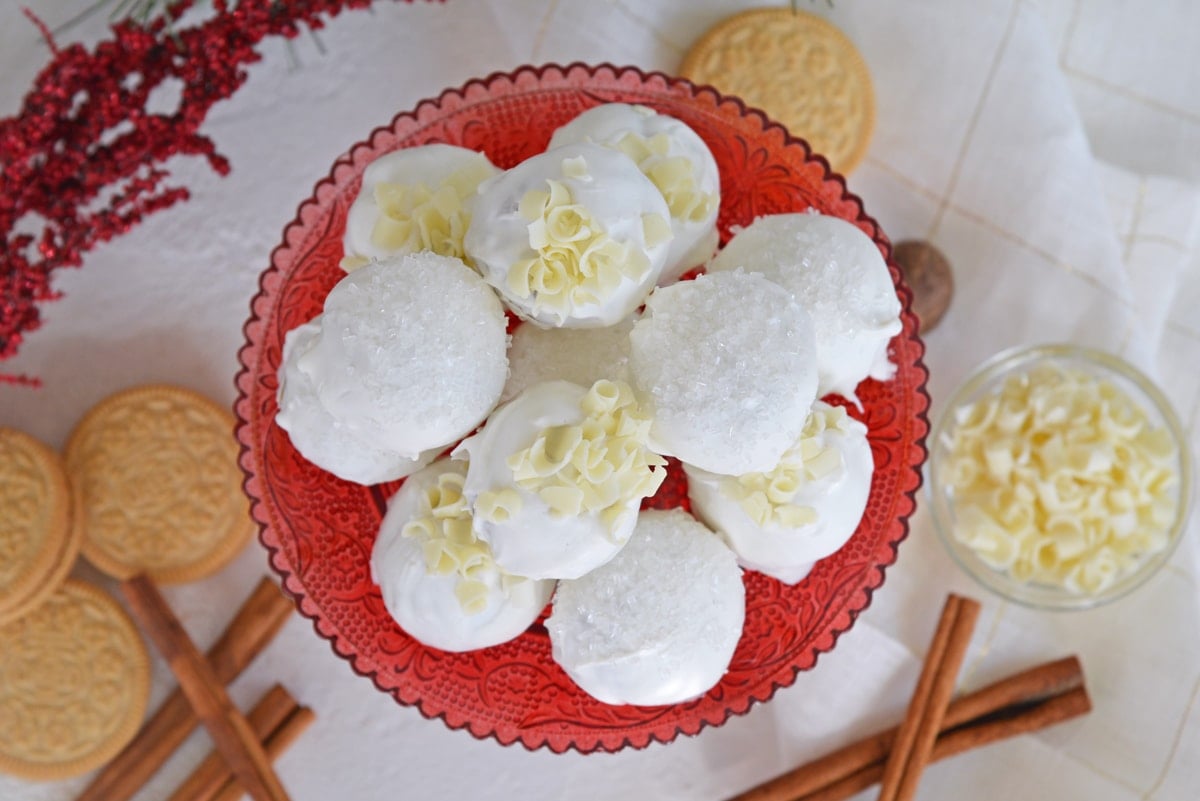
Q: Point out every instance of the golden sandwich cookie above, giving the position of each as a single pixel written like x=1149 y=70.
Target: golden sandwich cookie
x=38 y=544
x=157 y=485
x=76 y=678
x=799 y=69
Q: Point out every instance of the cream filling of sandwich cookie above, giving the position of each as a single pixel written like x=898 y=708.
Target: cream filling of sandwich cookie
x=412 y=200
x=438 y=580
x=320 y=437
x=557 y=476
x=1060 y=478
x=659 y=623
x=837 y=273
x=782 y=521
x=574 y=237
x=676 y=161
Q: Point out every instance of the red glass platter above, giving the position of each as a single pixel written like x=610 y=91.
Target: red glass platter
x=319 y=530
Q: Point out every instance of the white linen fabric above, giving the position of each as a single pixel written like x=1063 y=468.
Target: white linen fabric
x=1049 y=148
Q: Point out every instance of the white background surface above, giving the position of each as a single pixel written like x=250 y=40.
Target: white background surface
x=1051 y=149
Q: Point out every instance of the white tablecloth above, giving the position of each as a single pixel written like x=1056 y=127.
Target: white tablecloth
x=1051 y=149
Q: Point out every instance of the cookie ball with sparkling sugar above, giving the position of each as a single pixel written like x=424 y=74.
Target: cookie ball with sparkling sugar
x=838 y=274
x=727 y=365
x=412 y=353
x=659 y=623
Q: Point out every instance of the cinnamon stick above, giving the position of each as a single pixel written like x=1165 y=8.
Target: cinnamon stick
x=919 y=730
x=210 y=775
x=1035 y=717
x=230 y=732
x=278 y=742
x=256 y=623
x=1034 y=684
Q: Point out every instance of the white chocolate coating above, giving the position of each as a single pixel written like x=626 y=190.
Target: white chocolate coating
x=412 y=354
x=437 y=185
x=615 y=227
x=659 y=623
x=788 y=553
x=580 y=355
x=684 y=170
x=727 y=365
x=535 y=541
x=425 y=604
x=839 y=276
x=319 y=436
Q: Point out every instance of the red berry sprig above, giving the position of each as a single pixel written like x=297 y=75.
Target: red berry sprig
x=82 y=161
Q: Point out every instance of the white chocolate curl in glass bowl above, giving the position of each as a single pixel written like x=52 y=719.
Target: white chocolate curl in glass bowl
x=1059 y=477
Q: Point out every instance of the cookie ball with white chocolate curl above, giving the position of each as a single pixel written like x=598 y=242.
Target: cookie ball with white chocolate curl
x=438 y=580
x=805 y=508
x=419 y=198
x=675 y=159
x=557 y=476
x=574 y=237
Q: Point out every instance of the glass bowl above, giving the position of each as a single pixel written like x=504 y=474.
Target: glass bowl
x=319 y=530
x=986 y=380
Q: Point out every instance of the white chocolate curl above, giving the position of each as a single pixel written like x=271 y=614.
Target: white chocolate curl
x=443 y=528
x=577 y=262
x=676 y=161
x=1060 y=479
x=596 y=467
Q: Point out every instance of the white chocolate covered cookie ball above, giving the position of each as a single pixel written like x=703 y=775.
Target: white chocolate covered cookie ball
x=416 y=199
x=675 y=159
x=438 y=580
x=574 y=237
x=838 y=274
x=659 y=623
x=782 y=521
x=412 y=352
x=726 y=364
x=321 y=438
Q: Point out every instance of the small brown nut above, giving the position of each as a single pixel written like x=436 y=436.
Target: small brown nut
x=929 y=276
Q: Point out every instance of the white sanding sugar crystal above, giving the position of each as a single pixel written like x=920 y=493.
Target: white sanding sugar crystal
x=657 y=624
x=840 y=277
x=413 y=352
x=580 y=355
x=727 y=364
